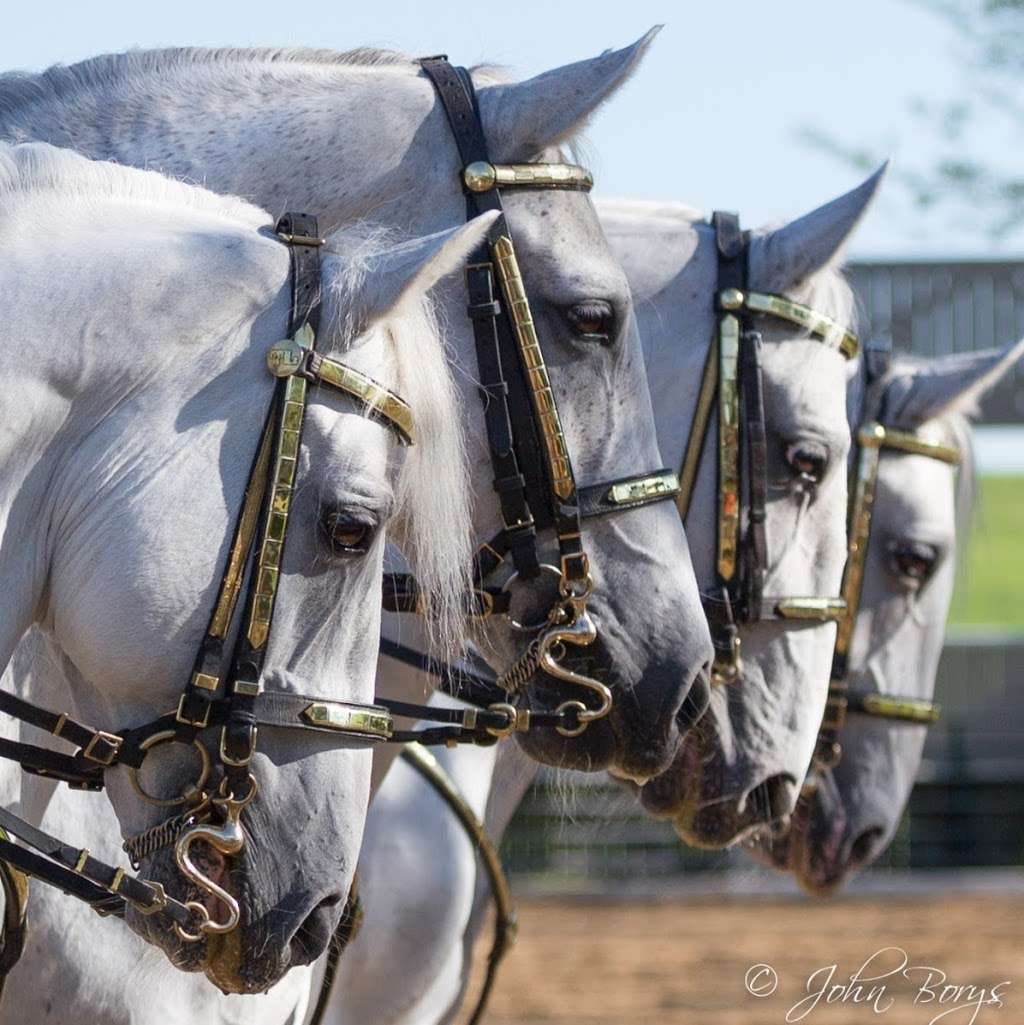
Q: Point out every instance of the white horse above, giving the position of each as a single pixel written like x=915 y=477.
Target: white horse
x=236 y=119
x=743 y=765
x=920 y=513
x=433 y=926
x=765 y=723
x=358 y=134
x=138 y=313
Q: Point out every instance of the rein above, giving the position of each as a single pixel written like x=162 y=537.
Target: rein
x=733 y=381
x=872 y=439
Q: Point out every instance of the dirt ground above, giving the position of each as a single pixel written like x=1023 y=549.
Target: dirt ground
x=687 y=961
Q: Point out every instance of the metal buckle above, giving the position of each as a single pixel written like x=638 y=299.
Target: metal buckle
x=159 y=900
x=185 y=721
x=114 y=743
x=238 y=763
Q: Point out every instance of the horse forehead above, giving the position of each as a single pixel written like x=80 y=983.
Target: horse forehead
x=915 y=495
x=558 y=236
x=805 y=386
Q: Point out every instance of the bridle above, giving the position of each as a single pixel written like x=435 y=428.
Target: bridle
x=872 y=439
x=533 y=473
x=225 y=689
x=732 y=379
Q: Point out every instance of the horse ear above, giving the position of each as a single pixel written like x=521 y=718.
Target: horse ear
x=781 y=259
x=522 y=119
x=949 y=384
x=403 y=273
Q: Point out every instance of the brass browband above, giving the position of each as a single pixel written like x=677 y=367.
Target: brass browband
x=874 y=435
x=820 y=326
x=482 y=176
x=295 y=356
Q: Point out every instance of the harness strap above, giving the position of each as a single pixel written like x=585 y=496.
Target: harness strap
x=77 y=873
x=505 y=921
x=752 y=389
x=15 y=927
x=511 y=437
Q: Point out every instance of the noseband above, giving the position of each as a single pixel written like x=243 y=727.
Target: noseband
x=533 y=474
x=733 y=378
x=872 y=439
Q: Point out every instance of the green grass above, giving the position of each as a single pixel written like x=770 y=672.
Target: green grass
x=990 y=584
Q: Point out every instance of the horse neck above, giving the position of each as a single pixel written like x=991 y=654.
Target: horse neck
x=291 y=135
x=76 y=366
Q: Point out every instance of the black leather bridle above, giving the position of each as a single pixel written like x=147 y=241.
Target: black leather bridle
x=732 y=380
x=533 y=474
x=225 y=690
x=872 y=439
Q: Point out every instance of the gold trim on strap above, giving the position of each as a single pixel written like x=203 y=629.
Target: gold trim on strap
x=286 y=460
x=860 y=531
x=559 y=467
x=248 y=521
x=644 y=488
x=824 y=328
x=331 y=715
x=876 y=436
x=818 y=610
x=698 y=431
x=910 y=710
x=728 y=445
x=380 y=400
x=481 y=176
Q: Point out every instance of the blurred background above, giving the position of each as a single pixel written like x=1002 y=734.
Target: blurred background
x=768 y=109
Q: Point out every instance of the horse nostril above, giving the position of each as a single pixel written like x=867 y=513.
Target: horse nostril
x=312 y=936
x=866 y=847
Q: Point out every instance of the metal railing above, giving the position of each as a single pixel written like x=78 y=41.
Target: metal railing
x=935 y=308
x=967 y=809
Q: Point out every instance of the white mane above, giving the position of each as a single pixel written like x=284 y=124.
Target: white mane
x=434 y=491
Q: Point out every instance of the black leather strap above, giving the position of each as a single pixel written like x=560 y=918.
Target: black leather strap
x=516 y=455
x=754 y=428
x=596 y=499
x=83 y=866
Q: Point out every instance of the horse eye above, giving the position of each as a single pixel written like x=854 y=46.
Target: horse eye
x=592 y=319
x=347 y=534
x=808 y=461
x=912 y=561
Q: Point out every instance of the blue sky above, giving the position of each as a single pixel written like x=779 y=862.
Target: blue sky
x=712 y=118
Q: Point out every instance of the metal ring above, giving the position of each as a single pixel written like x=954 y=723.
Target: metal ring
x=204 y=918
x=190 y=791
x=529 y=627
x=241 y=802
x=580 y=709
x=508 y=710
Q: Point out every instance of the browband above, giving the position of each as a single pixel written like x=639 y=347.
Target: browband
x=822 y=327
x=482 y=176
x=874 y=435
